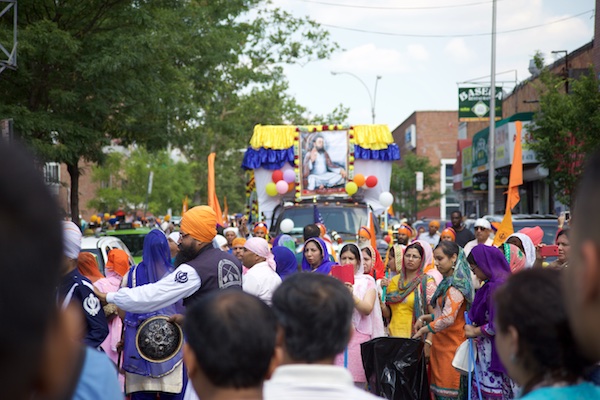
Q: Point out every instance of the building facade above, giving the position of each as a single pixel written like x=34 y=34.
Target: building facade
x=432 y=134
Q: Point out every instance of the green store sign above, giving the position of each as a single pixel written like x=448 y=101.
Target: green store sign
x=474 y=103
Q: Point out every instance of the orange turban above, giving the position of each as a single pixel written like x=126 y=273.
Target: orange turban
x=238 y=242
x=449 y=232
x=201 y=223
x=435 y=223
x=261 y=226
x=406 y=230
x=118 y=261
x=364 y=232
x=88 y=266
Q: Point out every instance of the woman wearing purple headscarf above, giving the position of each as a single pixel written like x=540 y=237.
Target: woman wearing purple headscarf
x=144 y=378
x=316 y=257
x=285 y=260
x=490 y=266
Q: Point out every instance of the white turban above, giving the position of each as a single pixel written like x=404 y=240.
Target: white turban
x=71 y=240
x=219 y=241
x=174 y=236
x=231 y=229
x=260 y=247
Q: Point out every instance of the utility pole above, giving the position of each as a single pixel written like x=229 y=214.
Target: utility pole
x=492 y=135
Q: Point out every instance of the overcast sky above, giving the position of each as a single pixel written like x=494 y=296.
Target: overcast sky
x=421 y=73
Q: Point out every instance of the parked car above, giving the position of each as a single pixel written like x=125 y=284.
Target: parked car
x=132 y=237
x=548 y=223
x=100 y=246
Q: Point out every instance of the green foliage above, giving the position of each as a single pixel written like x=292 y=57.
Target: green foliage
x=124 y=182
x=566 y=128
x=404 y=181
x=196 y=74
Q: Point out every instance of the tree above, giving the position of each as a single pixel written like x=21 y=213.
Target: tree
x=404 y=182
x=124 y=182
x=566 y=127
x=146 y=72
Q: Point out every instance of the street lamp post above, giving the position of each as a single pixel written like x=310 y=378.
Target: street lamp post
x=372 y=98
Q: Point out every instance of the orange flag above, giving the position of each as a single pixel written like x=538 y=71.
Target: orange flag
x=516 y=179
x=516 y=171
x=373 y=231
x=184 y=206
x=225 y=211
x=213 y=201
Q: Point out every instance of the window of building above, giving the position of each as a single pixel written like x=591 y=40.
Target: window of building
x=52 y=173
x=449 y=201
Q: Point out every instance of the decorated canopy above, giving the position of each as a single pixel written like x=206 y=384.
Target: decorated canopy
x=319 y=160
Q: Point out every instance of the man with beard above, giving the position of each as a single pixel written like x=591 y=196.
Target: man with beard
x=318 y=169
x=200 y=269
x=404 y=233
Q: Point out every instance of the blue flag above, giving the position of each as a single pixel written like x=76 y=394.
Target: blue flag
x=318 y=219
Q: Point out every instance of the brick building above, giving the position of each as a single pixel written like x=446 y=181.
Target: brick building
x=58 y=180
x=519 y=105
x=432 y=134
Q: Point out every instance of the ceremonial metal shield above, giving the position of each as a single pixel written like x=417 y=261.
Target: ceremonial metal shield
x=158 y=340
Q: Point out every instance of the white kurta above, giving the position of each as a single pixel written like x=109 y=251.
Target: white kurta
x=179 y=284
x=320 y=174
x=261 y=281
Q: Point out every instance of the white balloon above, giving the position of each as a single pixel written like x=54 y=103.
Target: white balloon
x=286 y=226
x=386 y=199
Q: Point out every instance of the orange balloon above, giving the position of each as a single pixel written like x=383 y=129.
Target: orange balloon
x=291 y=186
x=359 y=179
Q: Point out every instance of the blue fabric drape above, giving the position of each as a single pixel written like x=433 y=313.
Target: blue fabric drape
x=390 y=154
x=267 y=158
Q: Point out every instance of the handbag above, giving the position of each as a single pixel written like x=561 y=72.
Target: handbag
x=461 y=358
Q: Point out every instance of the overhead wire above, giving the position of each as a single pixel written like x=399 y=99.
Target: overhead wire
x=454 y=35
x=395 y=8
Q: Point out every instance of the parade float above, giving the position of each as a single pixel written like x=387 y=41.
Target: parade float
x=326 y=165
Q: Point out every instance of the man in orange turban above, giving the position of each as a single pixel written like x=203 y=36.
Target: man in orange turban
x=237 y=247
x=260 y=230
x=432 y=237
x=404 y=234
x=199 y=269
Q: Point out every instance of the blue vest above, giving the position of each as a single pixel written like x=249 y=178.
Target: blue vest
x=217 y=270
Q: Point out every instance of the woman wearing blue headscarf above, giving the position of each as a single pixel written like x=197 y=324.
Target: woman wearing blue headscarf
x=316 y=257
x=285 y=259
x=142 y=377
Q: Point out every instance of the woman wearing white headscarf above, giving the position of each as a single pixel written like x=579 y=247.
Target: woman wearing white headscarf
x=219 y=242
x=524 y=242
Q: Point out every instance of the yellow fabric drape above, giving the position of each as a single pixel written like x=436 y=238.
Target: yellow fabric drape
x=373 y=137
x=275 y=137
x=213 y=201
x=280 y=137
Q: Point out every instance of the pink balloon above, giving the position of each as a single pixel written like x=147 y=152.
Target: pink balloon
x=282 y=187
x=289 y=176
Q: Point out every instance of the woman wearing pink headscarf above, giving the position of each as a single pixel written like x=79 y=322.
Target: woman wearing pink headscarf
x=428 y=263
x=367 y=320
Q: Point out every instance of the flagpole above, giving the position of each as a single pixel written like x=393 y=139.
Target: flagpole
x=492 y=135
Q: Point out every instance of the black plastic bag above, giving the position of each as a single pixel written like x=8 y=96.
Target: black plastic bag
x=396 y=368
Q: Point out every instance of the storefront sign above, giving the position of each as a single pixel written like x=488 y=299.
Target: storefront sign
x=474 y=103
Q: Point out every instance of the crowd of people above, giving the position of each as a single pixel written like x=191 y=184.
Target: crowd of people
x=273 y=319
